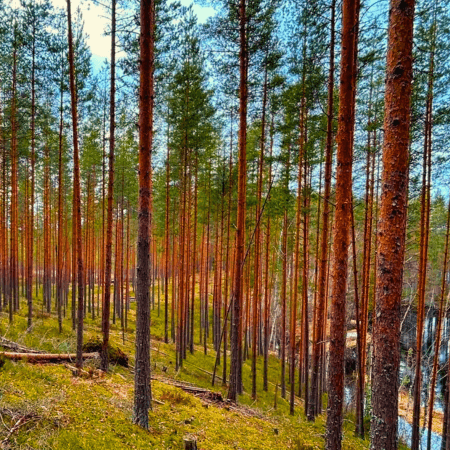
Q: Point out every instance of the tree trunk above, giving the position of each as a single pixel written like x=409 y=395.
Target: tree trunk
x=236 y=349
x=142 y=389
x=392 y=226
x=266 y=276
x=33 y=162
x=317 y=368
x=166 y=246
x=14 y=256
x=109 y=218
x=438 y=333
x=424 y=238
x=76 y=192
x=257 y=278
x=60 y=214
x=342 y=229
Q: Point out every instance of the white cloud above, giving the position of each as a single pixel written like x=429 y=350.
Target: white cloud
x=96 y=20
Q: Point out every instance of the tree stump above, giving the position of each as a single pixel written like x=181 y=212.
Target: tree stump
x=190 y=444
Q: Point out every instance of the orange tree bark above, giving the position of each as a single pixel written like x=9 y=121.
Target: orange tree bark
x=392 y=226
x=142 y=389
x=343 y=223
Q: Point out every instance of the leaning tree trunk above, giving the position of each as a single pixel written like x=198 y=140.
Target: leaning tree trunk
x=392 y=227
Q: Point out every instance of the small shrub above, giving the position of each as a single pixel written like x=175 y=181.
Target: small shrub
x=116 y=355
x=302 y=443
x=176 y=396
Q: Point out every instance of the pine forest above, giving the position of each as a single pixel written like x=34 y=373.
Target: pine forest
x=225 y=224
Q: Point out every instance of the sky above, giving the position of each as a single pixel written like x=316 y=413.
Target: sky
x=96 y=20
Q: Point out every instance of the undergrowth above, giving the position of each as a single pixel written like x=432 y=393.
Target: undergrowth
x=95 y=412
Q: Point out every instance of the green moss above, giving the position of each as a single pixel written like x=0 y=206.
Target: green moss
x=96 y=412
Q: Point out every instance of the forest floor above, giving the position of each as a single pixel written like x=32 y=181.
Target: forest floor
x=44 y=406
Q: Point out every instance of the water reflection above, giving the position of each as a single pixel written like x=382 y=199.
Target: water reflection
x=407 y=368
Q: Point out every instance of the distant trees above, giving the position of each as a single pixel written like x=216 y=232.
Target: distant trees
x=240 y=216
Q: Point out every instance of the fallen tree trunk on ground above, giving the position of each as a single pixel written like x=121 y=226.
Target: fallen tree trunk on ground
x=6 y=343
x=46 y=357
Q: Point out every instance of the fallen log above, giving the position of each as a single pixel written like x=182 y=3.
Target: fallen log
x=46 y=357
x=11 y=345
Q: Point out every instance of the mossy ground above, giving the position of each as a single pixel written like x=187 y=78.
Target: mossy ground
x=68 y=412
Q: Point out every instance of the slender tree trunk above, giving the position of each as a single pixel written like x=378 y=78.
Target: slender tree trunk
x=257 y=278
x=206 y=270
x=437 y=345
x=109 y=219
x=317 y=368
x=227 y=268
x=424 y=238
x=14 y=256
x=167 y=246
x=305 y=276
x=47 y=238
x=300 y=193
x=360 y=386
x=60 y=213
x=284 y=280
x=266 y=276
x=76 y=192
x=33 y=162
x=342 y=219
x=236 y=349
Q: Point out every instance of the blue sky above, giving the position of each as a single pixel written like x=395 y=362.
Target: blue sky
x=96 y=20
